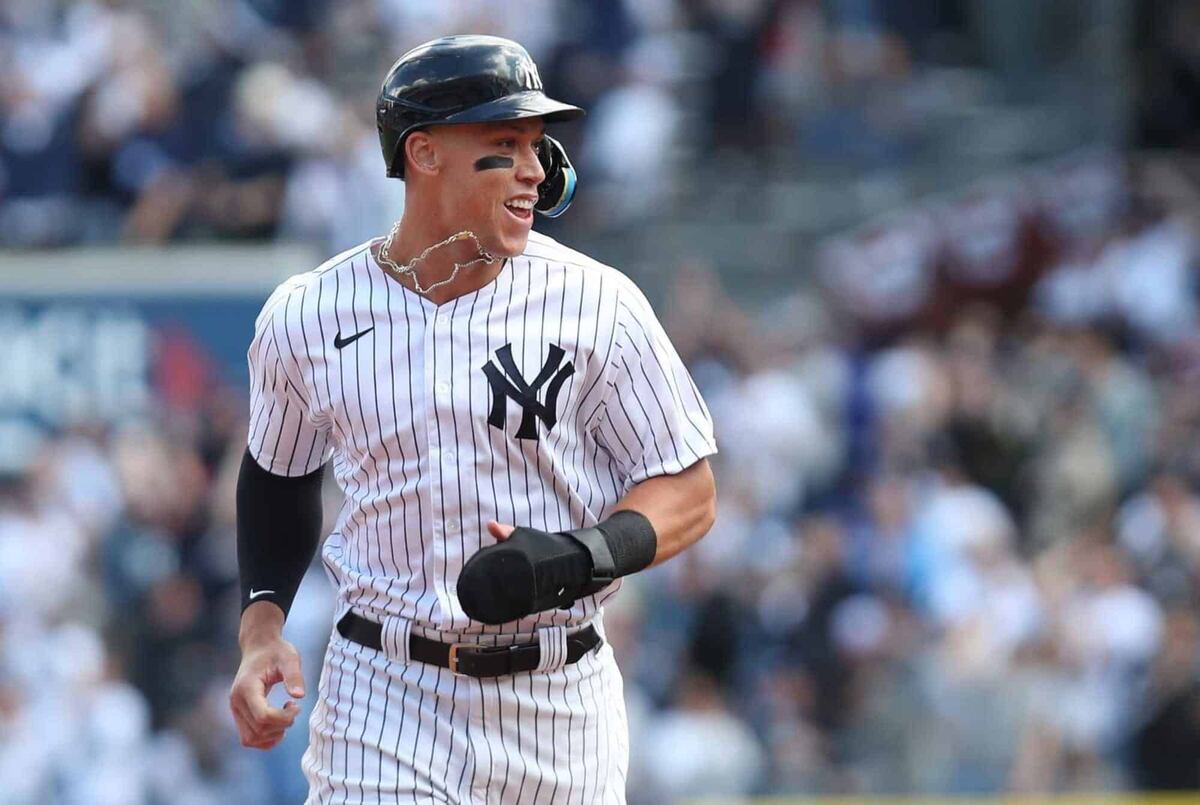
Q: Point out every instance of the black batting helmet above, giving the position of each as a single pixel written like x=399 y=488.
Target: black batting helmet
x=460 y=79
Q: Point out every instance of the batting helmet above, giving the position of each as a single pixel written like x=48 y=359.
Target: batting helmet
x=472 y=79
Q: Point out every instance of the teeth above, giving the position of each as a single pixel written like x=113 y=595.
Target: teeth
x=520 y=203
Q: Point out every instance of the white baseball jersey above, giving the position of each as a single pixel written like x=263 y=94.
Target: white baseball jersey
x=537 y=400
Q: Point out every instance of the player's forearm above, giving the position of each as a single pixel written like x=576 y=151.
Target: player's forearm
x=655 y=520
x=278 y=530
x=681 y=507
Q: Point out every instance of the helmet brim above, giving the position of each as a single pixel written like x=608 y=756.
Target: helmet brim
x=517 y=106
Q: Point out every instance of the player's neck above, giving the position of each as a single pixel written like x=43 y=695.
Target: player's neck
x=411 y=240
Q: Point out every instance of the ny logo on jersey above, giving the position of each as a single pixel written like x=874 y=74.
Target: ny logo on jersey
x=507 y=383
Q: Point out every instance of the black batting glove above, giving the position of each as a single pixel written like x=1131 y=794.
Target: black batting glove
x=531 y=571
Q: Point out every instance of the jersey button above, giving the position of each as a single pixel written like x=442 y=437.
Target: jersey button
x=452 y=525
x=443 y=390
x=448 y=457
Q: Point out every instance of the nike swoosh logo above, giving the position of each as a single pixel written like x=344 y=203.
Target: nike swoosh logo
x=256 y=593
x=342 y=343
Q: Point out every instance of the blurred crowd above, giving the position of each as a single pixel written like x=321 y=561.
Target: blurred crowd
x=144 y=122
x=958 y=542
x=957 y=549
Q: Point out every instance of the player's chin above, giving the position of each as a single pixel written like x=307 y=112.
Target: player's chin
x=511 y=236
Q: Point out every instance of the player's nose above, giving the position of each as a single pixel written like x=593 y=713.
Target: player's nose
x=529 y=167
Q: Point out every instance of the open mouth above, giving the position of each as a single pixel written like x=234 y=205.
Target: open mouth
x=520 y=208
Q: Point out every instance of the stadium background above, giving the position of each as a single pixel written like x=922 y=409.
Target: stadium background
x=932 y=262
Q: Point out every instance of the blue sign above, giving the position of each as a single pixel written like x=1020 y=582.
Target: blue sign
x=101 y=359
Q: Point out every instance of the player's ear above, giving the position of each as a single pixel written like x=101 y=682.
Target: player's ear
x=421 y=153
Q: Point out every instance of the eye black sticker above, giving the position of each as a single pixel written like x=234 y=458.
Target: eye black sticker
x=492 y=163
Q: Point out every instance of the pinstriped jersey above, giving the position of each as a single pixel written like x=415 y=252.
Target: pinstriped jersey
x=537 y=400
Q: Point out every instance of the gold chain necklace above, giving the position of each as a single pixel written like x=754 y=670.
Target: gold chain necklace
x=410 y=268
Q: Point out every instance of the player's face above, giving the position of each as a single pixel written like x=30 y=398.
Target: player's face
x=489 y=181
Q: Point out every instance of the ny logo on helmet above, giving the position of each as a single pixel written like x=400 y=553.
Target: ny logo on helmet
x=526 y=73
x=507 y=383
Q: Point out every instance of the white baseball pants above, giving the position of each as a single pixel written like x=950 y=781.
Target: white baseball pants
x=386 y=730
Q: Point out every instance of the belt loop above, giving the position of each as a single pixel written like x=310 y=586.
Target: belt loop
x=552 y=648
x=395 y=637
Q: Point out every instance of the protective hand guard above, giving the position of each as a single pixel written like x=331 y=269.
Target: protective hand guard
x=533 y=571
x=558 y=188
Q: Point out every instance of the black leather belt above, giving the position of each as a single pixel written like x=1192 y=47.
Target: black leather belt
x=468 y=659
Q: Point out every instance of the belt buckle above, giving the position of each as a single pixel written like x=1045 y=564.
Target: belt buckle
x=453 y=660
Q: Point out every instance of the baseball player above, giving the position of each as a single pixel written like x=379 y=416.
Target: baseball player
x=513 y=433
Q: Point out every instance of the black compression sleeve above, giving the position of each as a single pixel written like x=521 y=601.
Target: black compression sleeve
x=278 y=528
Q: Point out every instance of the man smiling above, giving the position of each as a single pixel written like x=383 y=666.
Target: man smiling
x=513 y=432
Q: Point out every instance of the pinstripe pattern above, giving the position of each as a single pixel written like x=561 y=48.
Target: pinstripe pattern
x=402 y=411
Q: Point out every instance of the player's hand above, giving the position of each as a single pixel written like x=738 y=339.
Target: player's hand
x=265 y=663
x=526 y=571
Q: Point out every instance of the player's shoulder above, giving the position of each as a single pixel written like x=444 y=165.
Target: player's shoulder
x=612 y=281
x=299 y=284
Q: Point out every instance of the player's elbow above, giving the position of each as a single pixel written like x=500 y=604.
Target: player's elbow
x=705 y=517
x=705 y=512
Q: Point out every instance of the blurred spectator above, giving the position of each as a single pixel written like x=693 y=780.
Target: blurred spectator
x=701 y=748
x=1170 y=108
x=1167 y=737
x=633 y=166
x=883 y=277
x=338 y=196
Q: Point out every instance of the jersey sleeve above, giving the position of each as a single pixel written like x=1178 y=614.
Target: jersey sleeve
x=284 y=437
x=654 y=421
